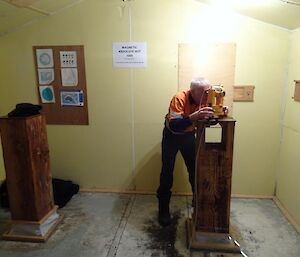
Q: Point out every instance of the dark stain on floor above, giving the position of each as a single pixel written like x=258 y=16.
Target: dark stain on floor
x=162 y=239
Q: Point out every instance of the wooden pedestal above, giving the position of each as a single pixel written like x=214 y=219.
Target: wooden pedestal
x=28 y=177
x=33 y=231
x=209 y=227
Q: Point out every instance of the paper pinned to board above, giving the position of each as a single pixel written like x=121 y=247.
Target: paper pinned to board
x=69 y=77
x=72 y=98
x=68 y=59
x=47 y=94
x=46 y=76
x=44 y=58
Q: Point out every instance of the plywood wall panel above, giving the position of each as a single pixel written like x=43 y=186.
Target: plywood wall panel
x=216 y=62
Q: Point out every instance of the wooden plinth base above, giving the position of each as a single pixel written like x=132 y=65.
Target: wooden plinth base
x=215 y=242
x=33 y=231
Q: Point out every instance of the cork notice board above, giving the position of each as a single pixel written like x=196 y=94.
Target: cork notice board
x=216 y=62
x=61 y=84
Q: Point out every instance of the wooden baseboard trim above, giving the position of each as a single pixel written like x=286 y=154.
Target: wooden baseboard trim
x=137 y=192
x=287 y=214
x=115 y=191
x=267 y=197
x=129 y=192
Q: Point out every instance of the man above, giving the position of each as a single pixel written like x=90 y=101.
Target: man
x=179 y=135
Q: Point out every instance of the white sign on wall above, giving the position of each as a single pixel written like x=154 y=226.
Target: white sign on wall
x=130 y=54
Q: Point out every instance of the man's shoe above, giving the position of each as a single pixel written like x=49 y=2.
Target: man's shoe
x=164 y=217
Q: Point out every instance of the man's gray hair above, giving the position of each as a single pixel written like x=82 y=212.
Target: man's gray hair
x=199 y=82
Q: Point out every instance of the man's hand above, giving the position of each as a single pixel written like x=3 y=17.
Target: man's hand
x=226 y=110
x=203 y=114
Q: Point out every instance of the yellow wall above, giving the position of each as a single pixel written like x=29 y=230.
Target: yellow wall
x=288 y=189
x=103 y=158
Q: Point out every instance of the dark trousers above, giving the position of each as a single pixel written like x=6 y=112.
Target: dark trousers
x=171 y=144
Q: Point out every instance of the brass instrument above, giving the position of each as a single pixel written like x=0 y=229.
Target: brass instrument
x=215 y=99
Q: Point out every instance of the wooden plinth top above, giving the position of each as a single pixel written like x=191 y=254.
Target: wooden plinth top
x=209 y=123
x=226 y=119
x=19 y=118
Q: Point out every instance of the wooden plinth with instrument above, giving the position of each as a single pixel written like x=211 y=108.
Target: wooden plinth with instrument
x=29 y=182
x=209 y=227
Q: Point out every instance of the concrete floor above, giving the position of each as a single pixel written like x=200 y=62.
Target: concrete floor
x=107 y=225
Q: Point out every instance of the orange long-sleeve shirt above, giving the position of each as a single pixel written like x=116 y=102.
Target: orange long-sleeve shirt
x=181 y=106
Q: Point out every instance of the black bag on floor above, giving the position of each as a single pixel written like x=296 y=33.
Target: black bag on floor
x=63 y=191
x=4 y=195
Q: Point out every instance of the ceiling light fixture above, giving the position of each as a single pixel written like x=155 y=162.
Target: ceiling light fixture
x=290 y=2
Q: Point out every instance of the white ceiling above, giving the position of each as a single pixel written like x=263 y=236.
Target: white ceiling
x=12 y=17
x=271 y=11
x=275 y=12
